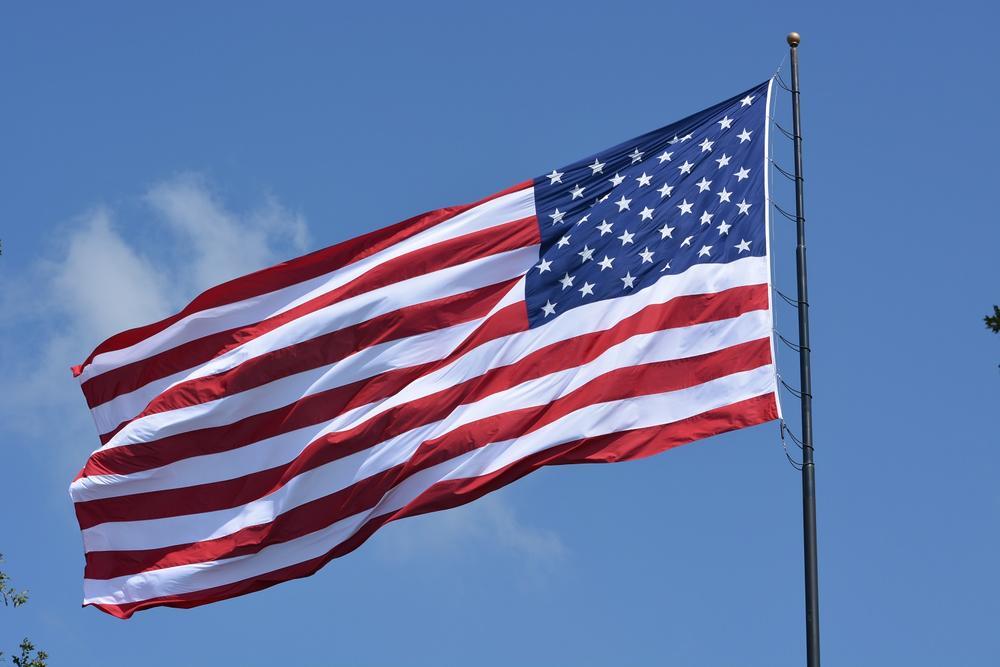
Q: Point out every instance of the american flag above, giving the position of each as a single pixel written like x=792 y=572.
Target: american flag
x=611 y=309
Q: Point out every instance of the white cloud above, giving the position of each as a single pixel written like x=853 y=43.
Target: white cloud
x=489 y=521
x=100 y=284
x=110 y=271
x=222 y=244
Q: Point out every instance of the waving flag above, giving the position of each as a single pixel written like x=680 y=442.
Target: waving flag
x=611 y=309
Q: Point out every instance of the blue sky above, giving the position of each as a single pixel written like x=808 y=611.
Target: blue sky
x=149 y=153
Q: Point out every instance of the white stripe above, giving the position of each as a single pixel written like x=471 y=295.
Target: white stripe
x=699 y=279
x=510 y=207
x=428 y=287
x=319 y=482
x=592 y=421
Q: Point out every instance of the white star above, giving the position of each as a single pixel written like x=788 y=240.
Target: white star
x=685 y=207
x=626 y=237
x=666 y=231
x=557 y=216
x=744 y=135
x=746 y=101
x=588 y=288
x=674 y=140
x=555 y=177
x=563 y=241
x=577 y=192
x=606 y=262
x=549 y=308
x=597 y=167
x=686 y=167
x=743 y=245
x=706 y=218
x=616 y=180
x=586 y=253
x=686 y=136
x=705 y=251
x=567 y=281
x=623 y=204
x=744 y=207
x=605 y=227
x=741 y=174
x=665 y=156
x=725 y=123
x=646 y=214
x=723 y=161
x=644 y=179
x=544 y=266
x=666 y=190
x=706 y=145
x=666 y=267
x=724 y=228
x=647 y=256
x=724 y=195
x=636 y=155
x=703 y=184
x=686 y=241
x=629 y=280
x=583 y=219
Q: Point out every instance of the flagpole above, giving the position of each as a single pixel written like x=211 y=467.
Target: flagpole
x=805 y=383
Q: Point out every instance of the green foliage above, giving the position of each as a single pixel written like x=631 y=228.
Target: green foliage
x=29 y=655
x=993 y=321
x=8 y=593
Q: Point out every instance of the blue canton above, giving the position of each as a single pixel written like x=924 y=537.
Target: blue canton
x=616 y=222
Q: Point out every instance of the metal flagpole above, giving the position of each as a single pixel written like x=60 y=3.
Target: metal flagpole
x=805 y=384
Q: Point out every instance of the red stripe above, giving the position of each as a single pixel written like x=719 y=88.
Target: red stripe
x=678 y=312
x=453 y=252
x=622 y=446
x=309 y=410
x=294 y=271
x=622 y=383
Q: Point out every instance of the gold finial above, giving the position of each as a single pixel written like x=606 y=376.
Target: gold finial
x=793 y=39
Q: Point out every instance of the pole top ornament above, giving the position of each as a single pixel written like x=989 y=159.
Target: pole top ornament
x=793 y=39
